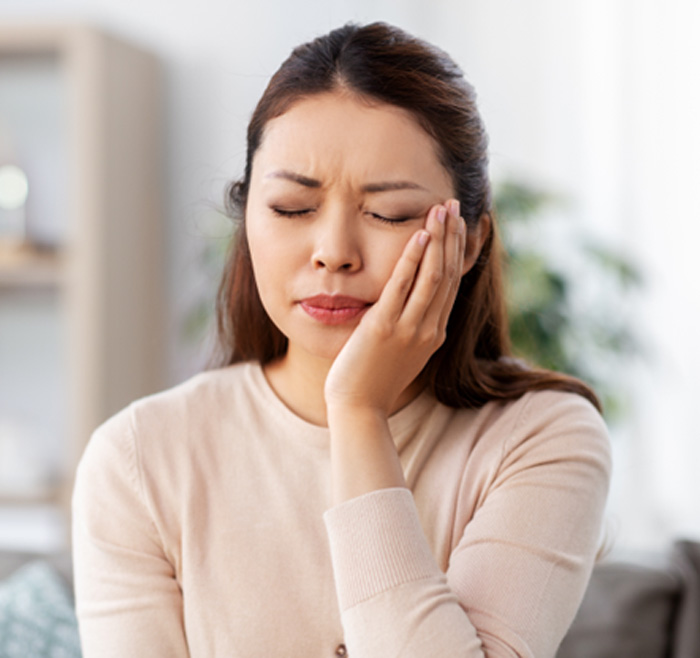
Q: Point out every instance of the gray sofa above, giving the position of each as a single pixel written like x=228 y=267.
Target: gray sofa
x=10 y=562
x=646 y=608
x=632 y=609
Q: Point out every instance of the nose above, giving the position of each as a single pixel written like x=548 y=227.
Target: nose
x=337 y=247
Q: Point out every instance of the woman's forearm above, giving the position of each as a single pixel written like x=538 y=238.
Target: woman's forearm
x=363 y=454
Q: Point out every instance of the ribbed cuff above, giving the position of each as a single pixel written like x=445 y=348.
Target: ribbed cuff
x=377 y=543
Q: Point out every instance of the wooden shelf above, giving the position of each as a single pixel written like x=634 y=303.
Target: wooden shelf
x=102 y=324
x=24 y=266
x=51 y=496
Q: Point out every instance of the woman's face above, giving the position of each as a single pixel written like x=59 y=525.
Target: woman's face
x=337 y=188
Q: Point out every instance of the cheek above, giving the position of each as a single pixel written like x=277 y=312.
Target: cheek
x=386 y=253
x=263 y=258
x=271 y=240
x=269 y=251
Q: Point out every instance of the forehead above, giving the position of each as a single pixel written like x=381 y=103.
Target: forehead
x=338 y=135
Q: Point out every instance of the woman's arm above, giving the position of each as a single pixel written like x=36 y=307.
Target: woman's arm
x=127 y=598
x=519 y=572
x=385 y=354
x=516 y=574
x=379 y=551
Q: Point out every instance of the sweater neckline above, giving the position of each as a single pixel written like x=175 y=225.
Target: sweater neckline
x=402 y=423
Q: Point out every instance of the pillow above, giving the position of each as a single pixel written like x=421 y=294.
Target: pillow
x=37 y=619
x=686 y=556
x=628 y=610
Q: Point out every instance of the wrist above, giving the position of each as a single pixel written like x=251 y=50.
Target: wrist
x=344 y=414
x=363 y=453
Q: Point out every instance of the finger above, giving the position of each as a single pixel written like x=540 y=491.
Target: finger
x=437 y=313
x=431 y=271
x=392 y=300
x=455 y=244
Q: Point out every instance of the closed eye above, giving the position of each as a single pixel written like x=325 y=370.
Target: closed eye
x=287 y=212
x=283 y=212
x=389 y=220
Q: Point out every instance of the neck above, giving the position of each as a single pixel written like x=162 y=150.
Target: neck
x=300 y=382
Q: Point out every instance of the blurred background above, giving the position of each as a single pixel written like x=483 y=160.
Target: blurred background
x=115 y=151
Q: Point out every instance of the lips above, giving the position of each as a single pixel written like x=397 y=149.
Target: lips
x=334 y=309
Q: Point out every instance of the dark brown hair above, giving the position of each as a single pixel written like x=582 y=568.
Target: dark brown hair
x=381 y=62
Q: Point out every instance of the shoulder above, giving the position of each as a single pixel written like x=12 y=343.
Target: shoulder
x=539 y=428
x=557 y=413
x=197 y=395
x=557 y=429
x=166 y=419
x=198 y=406
x=536 y=413
x=153 y=442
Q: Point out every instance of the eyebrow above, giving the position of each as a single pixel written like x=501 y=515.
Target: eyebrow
x=295 y=178
x=369 y=188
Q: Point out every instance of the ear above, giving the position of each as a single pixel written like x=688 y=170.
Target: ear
x=475 y=241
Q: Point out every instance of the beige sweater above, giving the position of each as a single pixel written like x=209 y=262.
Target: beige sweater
x=203 y=528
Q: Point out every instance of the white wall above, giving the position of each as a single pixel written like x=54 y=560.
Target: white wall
x=217 y=57
x=601 y=100
x=597 y=99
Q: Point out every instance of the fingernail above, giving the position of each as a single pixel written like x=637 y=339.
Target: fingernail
x=423 y=238
x=441 y=214
x=454 y=207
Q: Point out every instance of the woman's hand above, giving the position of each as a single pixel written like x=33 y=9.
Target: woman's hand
x=396 y=337
x=387 y=351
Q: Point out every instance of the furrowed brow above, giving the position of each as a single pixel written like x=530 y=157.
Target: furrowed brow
x=388 y=186
x=369 y=188
x=295 y=178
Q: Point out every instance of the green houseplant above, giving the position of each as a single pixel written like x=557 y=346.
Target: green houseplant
x=568 y=294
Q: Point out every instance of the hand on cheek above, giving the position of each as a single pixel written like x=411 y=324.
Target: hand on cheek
x=397 y=336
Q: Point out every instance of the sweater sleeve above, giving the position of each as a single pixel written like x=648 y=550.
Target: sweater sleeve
x=519 y=565
x=127 y=598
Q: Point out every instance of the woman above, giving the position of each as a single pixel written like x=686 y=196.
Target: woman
x=368 y=472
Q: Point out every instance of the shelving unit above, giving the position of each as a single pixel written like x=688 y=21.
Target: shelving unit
x=82 y=316
x=27 y=267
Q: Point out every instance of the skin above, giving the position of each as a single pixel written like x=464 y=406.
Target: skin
x=314 y=222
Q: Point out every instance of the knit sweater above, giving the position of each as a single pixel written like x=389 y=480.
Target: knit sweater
x=203 y=526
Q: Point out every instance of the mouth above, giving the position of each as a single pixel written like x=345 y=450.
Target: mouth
x=334 y=309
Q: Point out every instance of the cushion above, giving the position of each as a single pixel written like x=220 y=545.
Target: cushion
x=10 y=561
x=37 y=618
x=686 y=630
x=628 y=610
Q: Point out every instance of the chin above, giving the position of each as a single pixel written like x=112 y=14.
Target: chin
x=325 y=347
x=327 y=352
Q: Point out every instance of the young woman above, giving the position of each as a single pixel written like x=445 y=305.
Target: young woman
x=368 y=473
